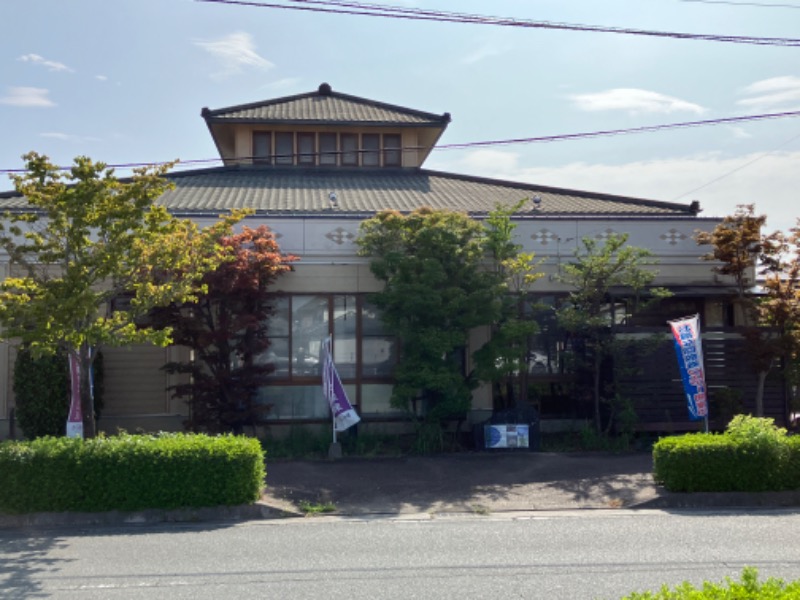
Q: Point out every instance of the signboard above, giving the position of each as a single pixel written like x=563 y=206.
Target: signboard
x=507 y=436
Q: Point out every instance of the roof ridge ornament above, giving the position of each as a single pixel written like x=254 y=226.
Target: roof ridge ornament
x=325 y=89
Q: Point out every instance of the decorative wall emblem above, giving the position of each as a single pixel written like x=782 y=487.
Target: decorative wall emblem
x=673 y=237
x=604 y=235
x=340 y=236
x=544 y=237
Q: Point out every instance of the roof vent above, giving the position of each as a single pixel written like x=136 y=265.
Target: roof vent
x=324 y=89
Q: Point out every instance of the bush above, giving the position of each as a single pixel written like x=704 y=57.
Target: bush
x=41 y=390
x=752 y=455
x=129 y=472
x=749 y=587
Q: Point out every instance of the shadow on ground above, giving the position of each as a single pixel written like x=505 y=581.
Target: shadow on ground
x=471 y=482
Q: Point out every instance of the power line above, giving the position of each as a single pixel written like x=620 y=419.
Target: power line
x=749 y=4
x=613 y=132
x=394 y=12
x=528 y=140
x=737 y=169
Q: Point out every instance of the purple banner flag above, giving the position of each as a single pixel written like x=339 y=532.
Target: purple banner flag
x=344 y=415
x=688 y=347
x=75 y=418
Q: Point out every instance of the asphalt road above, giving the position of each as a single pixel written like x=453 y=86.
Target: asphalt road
x=555 y=555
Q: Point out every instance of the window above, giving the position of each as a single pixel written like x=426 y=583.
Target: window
x=392 y=150
x=349 y=149
x=371 y=145
x=262 y=147
x=327 y=149
x=305 y=149
x=284 y=148
x=363 y=351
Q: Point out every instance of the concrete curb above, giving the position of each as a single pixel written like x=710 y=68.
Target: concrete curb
x=262 y=511
x=209 y=514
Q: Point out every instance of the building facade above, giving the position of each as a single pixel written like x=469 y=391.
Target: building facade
x=312 y=167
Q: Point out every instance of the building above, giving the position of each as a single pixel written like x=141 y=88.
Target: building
x=312 y=167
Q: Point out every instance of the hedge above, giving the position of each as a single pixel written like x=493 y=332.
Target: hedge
x=129 y=472
x=752 y=455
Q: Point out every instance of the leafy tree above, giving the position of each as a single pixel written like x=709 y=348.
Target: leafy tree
x=85 y=238
x=504 y=359
x=436 y=289
x=588 y=315
x=779 y=307
x=227 y=329
x=742 y=250
x=737 y=246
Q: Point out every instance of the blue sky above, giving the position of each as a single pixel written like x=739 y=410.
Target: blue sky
x=124 y=81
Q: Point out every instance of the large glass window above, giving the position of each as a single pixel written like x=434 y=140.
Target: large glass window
x=309 y=328
x=363 y=351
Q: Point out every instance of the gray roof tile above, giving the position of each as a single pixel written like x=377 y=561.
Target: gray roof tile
x=298 y=191
x=324 y=106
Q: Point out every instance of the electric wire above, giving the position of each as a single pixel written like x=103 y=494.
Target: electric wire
x=395 y=12
x=482 y=144
x=748 y=4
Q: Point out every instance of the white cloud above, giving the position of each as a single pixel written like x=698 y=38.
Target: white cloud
x=498 y=162
x=101 y=77
x=235 y=52
x=720 y=183
x=27 y=97
x=769 y=94
x=286 y=83
x=67 y=137
x=633 y=101
x=50 y=65
x=485 y=51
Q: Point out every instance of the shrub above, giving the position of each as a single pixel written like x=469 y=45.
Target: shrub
x=129 y=472
x=752 y=455
x=748 y=587
x=41 y=390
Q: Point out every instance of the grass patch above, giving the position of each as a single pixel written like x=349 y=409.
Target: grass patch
x=311 y=509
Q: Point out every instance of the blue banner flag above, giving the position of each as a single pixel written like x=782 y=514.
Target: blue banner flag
x=686 y=334
x=344 y=415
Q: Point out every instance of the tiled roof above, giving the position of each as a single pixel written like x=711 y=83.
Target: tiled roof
x=324 y=106
x=359 y=192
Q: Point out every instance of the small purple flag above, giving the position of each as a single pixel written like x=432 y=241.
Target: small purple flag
x=344 y=415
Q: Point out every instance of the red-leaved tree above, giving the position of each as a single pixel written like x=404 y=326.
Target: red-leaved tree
x=227 y=329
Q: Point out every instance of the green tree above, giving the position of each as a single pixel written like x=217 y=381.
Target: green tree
x=227 y=328
x=436 y=289
x=589 y=313
x=741 y=250
x=779 y=306
x=504 y=359
x=86 y=238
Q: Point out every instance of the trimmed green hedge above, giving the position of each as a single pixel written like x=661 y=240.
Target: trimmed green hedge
x=751 y=456
x=129 y=472
x=748 y=588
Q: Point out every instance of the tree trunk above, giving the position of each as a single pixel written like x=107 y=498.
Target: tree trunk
x=87 y=401
x=596 y=390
